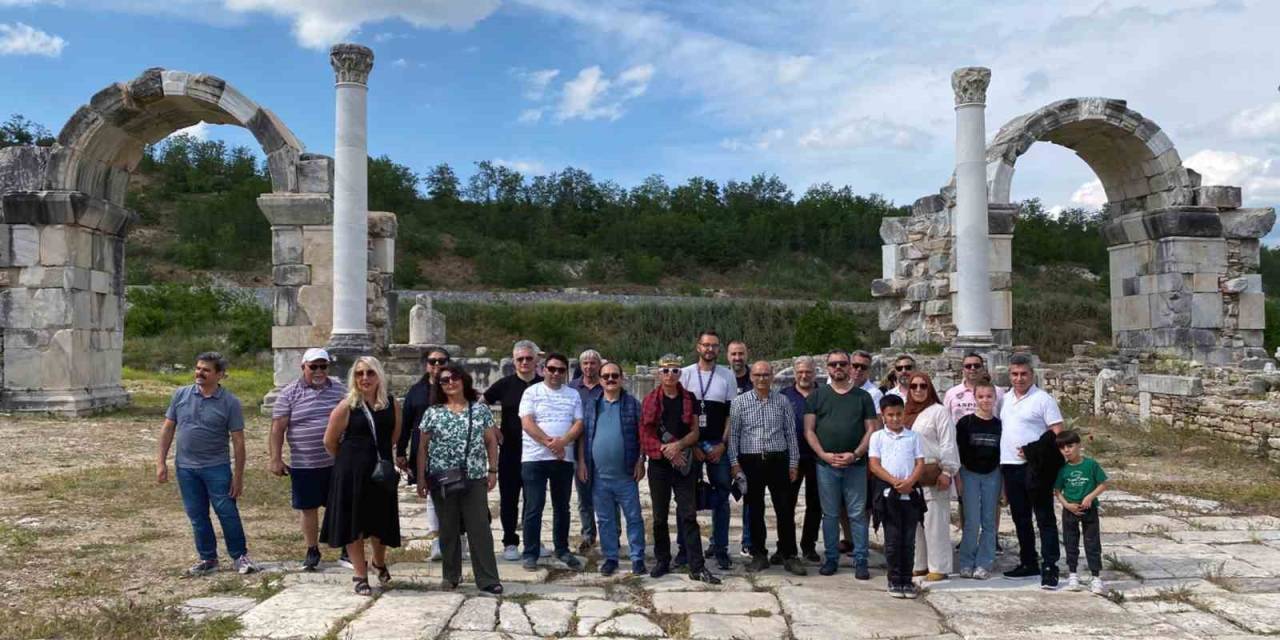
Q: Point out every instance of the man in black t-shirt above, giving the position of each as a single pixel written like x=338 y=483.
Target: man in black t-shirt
x=507 y=392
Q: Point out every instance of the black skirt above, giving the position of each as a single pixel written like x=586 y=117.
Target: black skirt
x=357 y=506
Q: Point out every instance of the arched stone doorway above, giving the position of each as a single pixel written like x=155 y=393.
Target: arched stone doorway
x=1183 y=256
x=65 y=221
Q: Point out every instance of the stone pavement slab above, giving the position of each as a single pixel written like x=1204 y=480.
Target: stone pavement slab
x=476 y=614
x=712 y=626
x=301 y=611
x=1256 y=612
x=404 y=614
x=632 y=625
x=822 y=614
x=512 y=619
x=1019 y=614
x=550 y=617
x=218 y=606
x=715 y=602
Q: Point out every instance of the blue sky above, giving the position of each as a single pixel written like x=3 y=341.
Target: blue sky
x=848 y=92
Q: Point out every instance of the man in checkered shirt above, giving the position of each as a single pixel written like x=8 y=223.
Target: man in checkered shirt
x=762 y=446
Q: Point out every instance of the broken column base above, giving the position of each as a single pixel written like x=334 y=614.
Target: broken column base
x=71 y=403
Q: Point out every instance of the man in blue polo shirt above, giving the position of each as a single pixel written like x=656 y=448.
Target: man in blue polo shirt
x=204 y=416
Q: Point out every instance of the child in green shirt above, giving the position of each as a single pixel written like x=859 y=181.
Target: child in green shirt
x=1080 y=481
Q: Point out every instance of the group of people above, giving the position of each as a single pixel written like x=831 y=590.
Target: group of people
x=706 y=434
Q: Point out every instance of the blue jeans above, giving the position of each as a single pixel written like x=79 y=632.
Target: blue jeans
x=609 y=494
x=981 y=496
x=537 y=475
x=847 y=486
x=201 y=488
x=718 y=477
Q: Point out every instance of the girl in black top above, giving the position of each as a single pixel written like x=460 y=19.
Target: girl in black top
x=978 y=440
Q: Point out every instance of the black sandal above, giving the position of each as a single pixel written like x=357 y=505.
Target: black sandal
x=362 y=587
x=384 y=575
x=494 y=589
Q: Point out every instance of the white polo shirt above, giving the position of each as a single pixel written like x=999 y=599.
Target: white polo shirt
x=897 y=451
x=555 y=412
x=1024 y=420
x=871 y=388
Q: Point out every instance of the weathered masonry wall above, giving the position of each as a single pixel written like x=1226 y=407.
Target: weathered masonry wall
x=1236 y=405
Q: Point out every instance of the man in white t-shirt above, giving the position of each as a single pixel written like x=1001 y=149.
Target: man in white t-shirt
x=713 y=387
x=551 y=415
x=1027 y=412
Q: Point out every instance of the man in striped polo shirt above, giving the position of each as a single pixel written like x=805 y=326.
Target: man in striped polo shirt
x=301 y=412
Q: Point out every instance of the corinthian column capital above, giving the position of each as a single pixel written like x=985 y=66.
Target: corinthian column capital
x=351 y=62
x=970 y=85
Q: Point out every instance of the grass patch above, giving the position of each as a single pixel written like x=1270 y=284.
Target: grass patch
x=120 y=621
x=675 y=625
x=152 y=390
x=258 y=587
x=1216 y=573
x=15 y=539
x=759 y=613
x=1120 y=565
x=520 y=598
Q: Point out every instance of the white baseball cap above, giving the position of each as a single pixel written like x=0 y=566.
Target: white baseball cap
x=314 y=354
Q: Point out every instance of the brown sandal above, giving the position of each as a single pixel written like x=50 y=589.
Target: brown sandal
x=362 y=587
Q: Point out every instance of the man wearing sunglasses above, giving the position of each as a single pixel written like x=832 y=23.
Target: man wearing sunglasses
x=551 y=414
x=416 y=402
x=588 y=386
x=301 y=413
x=902 y=368
x=609 y=462
x=507 y=393
x=959 y=399
x=838 y=422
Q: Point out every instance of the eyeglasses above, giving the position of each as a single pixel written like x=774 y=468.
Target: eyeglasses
x=437 y=361
x=666 y=371
x=904 y=367
x=709 y=346
x=838 y=364
x=919 y=386
x=318 y=366
x=859 y=366
x=555 y=369
x=366 y=373
x=443 y=380
x=524 y=359
x=611 y=376
x=972 y=365
x=762 y=375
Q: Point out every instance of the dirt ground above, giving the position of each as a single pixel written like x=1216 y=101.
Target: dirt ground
x=91 y=545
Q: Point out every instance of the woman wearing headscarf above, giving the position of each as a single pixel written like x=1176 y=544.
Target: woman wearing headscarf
x=929 y=418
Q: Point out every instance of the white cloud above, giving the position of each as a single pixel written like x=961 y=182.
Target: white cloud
x=1259 y=178
x=864 y=132
x=527 y=167
x=20 y=39
x=399 y=62
x=536 y=82
x=199 y=131
x=1089 y=195
x=29 y=3
x=1256 y=123
x=530 y=116
x=320 y=23
x=593 y=96
x=760 y=142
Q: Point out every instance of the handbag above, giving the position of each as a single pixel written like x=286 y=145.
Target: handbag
x=384 y=473
x=453 y=480
x=929 y=474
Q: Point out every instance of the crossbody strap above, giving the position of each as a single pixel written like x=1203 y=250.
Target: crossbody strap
x=373 y=428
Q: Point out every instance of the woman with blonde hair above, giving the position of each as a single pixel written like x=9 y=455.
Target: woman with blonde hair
x=362 y=493
x=930 y=419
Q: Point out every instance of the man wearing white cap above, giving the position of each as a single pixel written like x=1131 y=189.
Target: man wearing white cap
x=301 y=412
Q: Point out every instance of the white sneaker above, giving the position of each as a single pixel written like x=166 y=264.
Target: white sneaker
x=544 y=551
x=511 y=553
x=1098 y=586
x=966 y=572
x=244 y=565
x=1073 y=582
x=466 y=548
x=435 y=550
x=981 y=574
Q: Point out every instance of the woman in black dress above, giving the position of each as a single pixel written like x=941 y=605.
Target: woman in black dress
x=358 y=507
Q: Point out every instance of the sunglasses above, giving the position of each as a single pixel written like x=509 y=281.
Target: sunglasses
x=524 y=359
x=666 y=371
x=709 y=346
x=973 y=365
x=611 y=376
x=437 y=361
x=319 y=366
x=838 y=364
x=919 y=386
x=859 y=366
x=366 y=373
x=762 y=375
x=555 y=369
x=904 y=367
x=448 y=380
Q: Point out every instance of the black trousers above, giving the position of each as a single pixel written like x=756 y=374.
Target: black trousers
x=808 y=476
x=664 y=481
x=466 y=511
x=1071 y=526
x=510 y=483
x=900 y=518
x=1023 y=504
x=769 y=471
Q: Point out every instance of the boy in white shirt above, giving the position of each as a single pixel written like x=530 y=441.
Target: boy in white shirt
x=896 y=460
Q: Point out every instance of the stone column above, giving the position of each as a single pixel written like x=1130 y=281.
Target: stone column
x=351 y=64
x=973 y=299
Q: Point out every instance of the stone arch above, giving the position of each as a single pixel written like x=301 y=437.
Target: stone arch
x=1135 y=160
x=101 y=144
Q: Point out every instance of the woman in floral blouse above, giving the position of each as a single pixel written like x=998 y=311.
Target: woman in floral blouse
x=458 y=465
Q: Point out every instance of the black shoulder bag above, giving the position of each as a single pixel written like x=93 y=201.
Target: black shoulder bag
x=451 y=481
x=384 y=473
